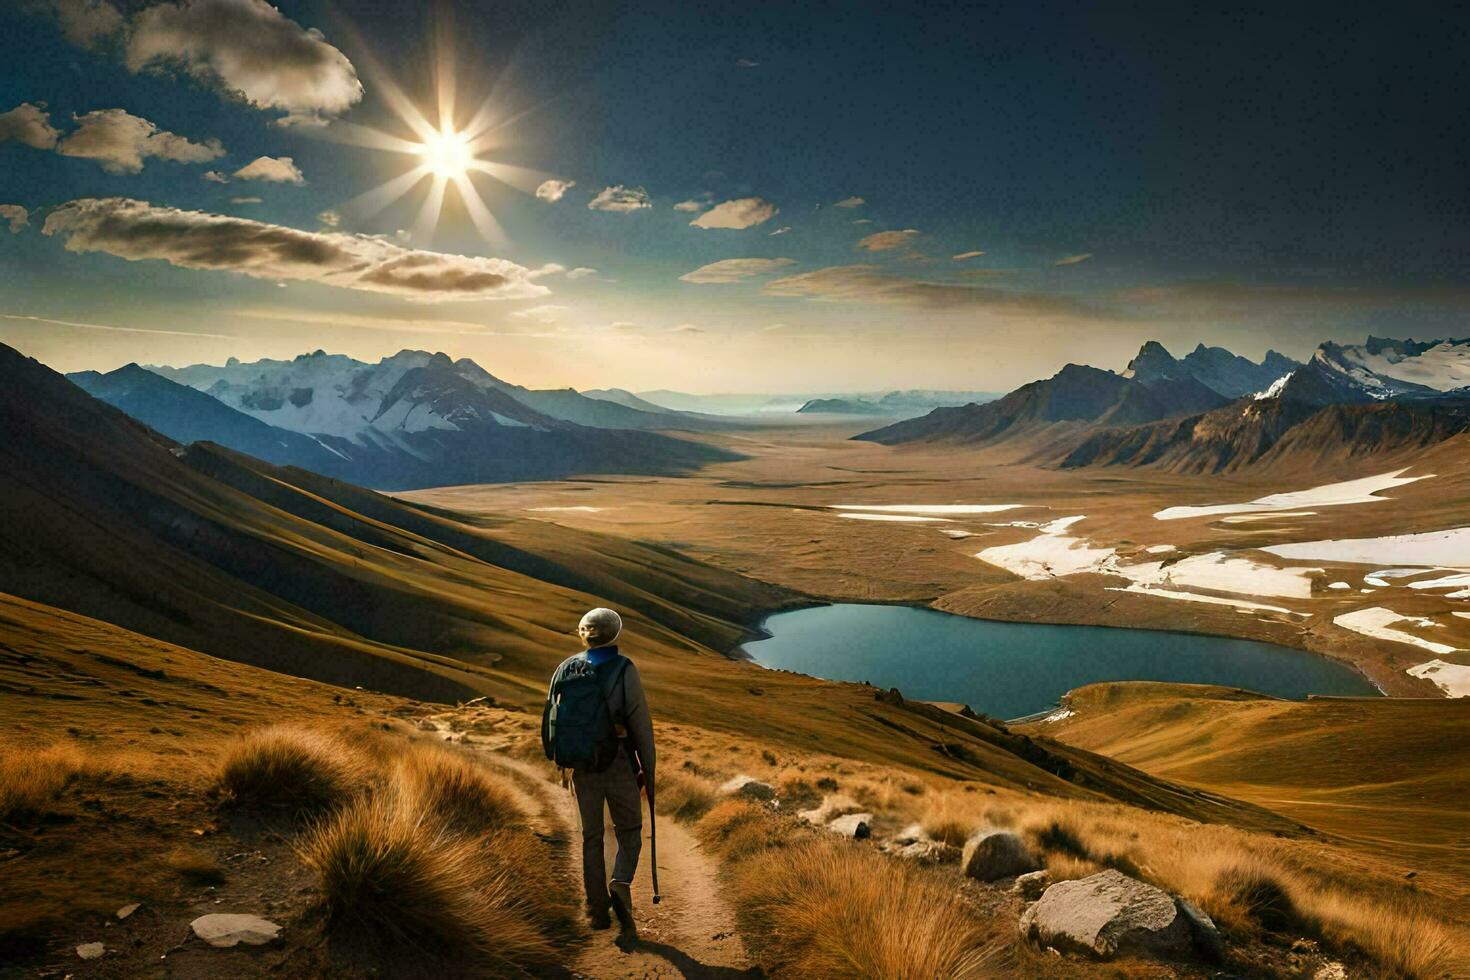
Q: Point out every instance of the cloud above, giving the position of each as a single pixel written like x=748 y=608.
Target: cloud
x=862 y=221
x=329 y=218
x=687 y=329
x=869 y=284
x=277 y=170
x=250 y=50
x=1073 y=259
x=690 y=206
x=623 y=200
x=746 y=63
x=967 y=255
x=553 y=190
x=546 y=313
x=850 y=202
x=214 y=177
x=84 y=22
x=734 y=270
x=744 y=212
x=120 y=141
x=887 y=241
x=28 y=123
x=245 y=200
x=581 y=272
x=137 y=230
x=16 y=216
x=105 y=326
x=781 y=231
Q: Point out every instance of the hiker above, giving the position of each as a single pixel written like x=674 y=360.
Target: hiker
x=596 y=724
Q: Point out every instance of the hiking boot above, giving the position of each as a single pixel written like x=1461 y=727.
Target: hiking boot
x=598 y=918
x=622 y=905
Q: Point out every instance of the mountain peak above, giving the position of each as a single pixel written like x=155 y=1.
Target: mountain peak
x=1152 y=362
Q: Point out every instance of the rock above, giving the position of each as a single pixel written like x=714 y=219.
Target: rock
x=750 y=789
x=831 y=806
x=91 y=951
x=1207 y=938
x=127 y=910
x=929 y=852
x=1030 y=885
x=992 y=854
x=858 y=826
x=226 y=929
x=1331 y=971
x=1106 y=914
x=912 y=834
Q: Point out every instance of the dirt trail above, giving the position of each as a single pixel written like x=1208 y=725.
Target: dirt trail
x=691 y=933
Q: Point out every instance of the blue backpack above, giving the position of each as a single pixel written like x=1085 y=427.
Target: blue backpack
x=577 y=727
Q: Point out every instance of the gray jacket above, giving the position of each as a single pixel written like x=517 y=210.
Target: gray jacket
x=629 y=708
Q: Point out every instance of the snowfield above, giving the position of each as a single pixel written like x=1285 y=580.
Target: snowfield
x=1363 y=491
x=1452 y=679
x=1375 y=621
x=898 y=518
x=929 y=508
x=1429 y=549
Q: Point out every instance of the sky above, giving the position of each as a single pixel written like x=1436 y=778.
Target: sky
x=773 y=197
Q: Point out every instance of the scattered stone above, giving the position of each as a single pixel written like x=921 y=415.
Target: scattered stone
x=1207 y=938
x=128 y=910
x=91 y=951
x=858 y=826
x=749 y=788
x=929 y=852
x=831 y=806
x=912 y=834
x=993 y=854
x=1030 y=885
x=225 y=929
x=1331 y=971
x=1106 y=914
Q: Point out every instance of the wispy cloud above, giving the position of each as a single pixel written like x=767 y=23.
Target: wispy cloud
x=967 y=255
x=734 y=270
x=581 y=272
x=747 y=63
x=107 y=326
x=1073 y=259
x=245 y=200
x=386 y=324
x=620 y=199
x=690 y=206
x=887 y=241
x=545 y=313
x=329 y=218
x=781 y=231
x=744 y=212
x=850 y=202
x=276 y=170
x=554 y=190
x=214 y=177
x=137 y=230
x=870 y=284
x=15 y=216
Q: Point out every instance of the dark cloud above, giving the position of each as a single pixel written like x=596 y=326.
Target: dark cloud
x=137 y=230
x=84 y=22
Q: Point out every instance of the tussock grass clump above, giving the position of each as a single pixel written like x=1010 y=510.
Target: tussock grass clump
x=304 y=769
x=392 y=875
x=683 y=797
x=826 y=908
x=32 y=781
x=1260 y=896
x=456 y=790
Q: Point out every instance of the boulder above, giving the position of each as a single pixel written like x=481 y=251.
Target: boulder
x=1030 y=886
x=225 y=929
x=749 y=788
x=831 y=806
x=1106 y=914
x=929 y=852
x=855 y=825
x=993 y=854
x=91 y=951
x=1207 y=938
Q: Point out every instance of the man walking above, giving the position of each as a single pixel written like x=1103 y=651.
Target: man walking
x=596 y=723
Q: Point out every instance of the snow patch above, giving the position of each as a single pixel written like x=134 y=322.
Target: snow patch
x=580 y=509
x=1061 y=714
x=957 y=535
x=1339 y=585
x=1160 y=549
x=1430 y=549
x=1375 y=621
x=1249 y=518
x=1274 y=388
x=928 y=508
x=897 y=518
x=1452 y=679
x=1361 y=491
x=1240 y=605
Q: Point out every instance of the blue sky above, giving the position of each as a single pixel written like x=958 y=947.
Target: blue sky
x=1257 y=178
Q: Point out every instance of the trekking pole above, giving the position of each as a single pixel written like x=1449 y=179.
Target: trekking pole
x=652 y=833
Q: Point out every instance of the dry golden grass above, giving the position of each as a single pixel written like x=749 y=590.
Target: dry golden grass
x=827 y=908
x=389 y=872
x=684 y=797
x=294 y=766
x=31 y=781
x=456 y=790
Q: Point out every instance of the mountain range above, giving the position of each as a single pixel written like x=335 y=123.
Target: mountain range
x=411 y=420
x=894 y=404
x=1214 y=411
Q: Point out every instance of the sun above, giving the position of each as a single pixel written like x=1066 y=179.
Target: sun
x=447 y=153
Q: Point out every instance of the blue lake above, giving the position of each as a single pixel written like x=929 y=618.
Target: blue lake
x=1008 y=670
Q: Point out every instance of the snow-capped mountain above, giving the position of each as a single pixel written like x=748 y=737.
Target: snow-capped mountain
x=1383 y=369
